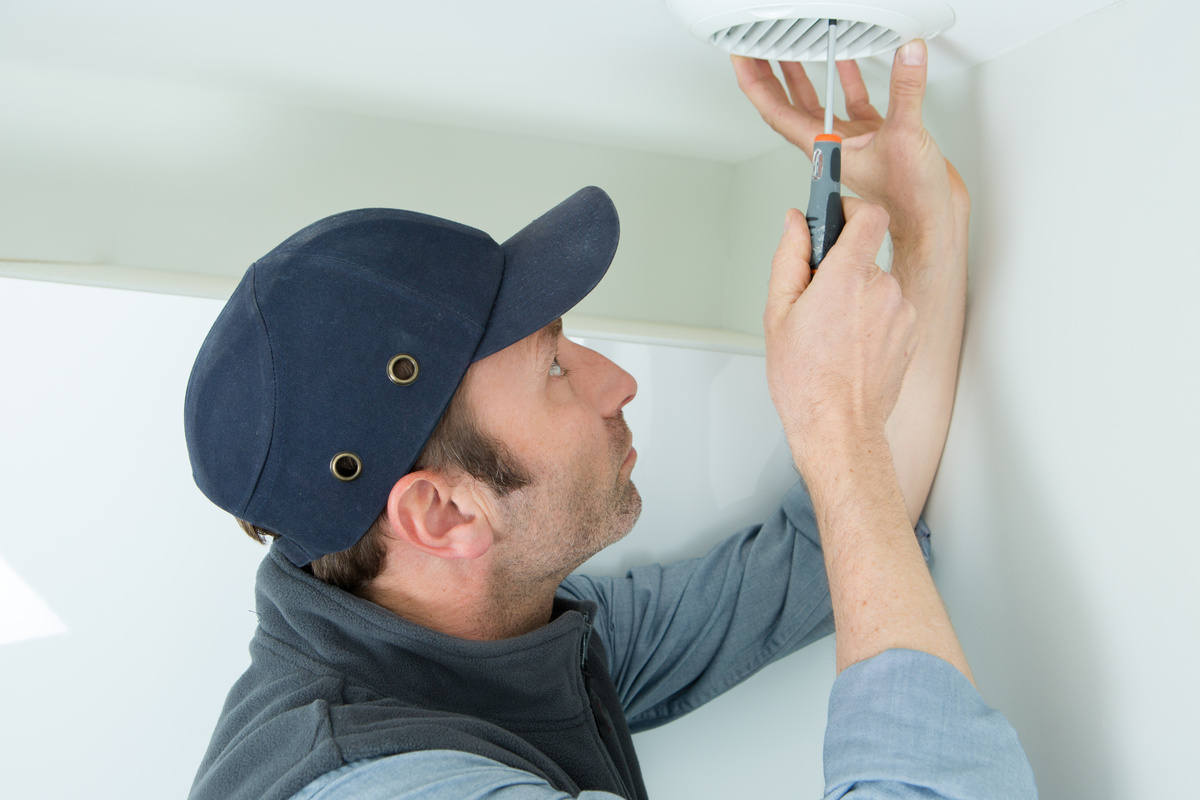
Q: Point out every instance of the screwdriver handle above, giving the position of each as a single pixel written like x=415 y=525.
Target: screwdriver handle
x=825 y=219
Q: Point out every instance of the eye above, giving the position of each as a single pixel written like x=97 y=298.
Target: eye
x=557 y=370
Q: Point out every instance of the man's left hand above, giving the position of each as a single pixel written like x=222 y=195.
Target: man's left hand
x=891 y=161
x=895 y=163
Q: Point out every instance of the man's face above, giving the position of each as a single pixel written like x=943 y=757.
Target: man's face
x=556 y=406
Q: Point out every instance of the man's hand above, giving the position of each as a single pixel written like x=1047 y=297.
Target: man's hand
x=890 y=161
x=895 y=163
x=838 y=346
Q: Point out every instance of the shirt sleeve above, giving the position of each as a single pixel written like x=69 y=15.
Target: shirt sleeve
x=435 y=775
x=680 y=634
x=906 y=724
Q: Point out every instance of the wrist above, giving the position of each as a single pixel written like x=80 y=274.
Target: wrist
x=838 y=454
x=934 y=260
x=855 y=490
x=947 y=235
x=931 y=223
x=932 y=219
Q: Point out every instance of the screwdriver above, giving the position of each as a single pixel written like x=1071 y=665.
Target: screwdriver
x=824 y=215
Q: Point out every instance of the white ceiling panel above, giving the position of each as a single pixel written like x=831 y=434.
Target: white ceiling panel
x=615 y=72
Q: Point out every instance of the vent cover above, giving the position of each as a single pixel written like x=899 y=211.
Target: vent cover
x=800 y=31
x=804 y=39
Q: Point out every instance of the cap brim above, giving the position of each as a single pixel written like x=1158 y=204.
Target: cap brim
x=550 y=265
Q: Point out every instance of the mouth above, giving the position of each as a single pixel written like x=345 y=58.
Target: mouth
x=622 y=438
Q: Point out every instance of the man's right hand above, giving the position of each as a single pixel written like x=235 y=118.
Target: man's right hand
x=838 y=341
x=838 y=346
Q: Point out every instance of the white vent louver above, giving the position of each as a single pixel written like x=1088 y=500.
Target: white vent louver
x=799 y=31
x=803 y=39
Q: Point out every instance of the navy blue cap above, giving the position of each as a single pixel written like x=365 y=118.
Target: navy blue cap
x=297 y=369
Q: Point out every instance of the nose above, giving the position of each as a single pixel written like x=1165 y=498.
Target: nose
x=627 y=386
x=613 y=387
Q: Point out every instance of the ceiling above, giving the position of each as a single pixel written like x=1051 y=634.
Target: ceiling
x=616 y=72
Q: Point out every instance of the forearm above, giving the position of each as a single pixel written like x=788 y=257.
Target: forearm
x=933 y=277
x=883 y=596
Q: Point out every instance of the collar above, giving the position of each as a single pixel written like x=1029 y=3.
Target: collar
x=531 y=680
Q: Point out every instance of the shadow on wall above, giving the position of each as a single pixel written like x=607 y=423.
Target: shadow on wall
x=712 y=458
x=1003 y=561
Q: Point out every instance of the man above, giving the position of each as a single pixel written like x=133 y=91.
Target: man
x=437 y=648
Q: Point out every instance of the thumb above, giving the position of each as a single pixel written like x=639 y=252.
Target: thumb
x=859 y=242
x=790 y=271
x=909 y=69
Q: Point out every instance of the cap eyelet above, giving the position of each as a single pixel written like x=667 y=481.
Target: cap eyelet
x=345 y=466
x=403 y=369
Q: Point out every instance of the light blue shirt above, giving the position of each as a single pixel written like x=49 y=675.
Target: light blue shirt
x=904 y=724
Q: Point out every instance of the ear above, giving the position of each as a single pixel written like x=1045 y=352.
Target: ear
x=437 y=517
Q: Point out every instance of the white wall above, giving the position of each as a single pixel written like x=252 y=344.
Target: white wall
x=96 y=516
x=1064 y=510
x=1065 y=530
x=155 y=585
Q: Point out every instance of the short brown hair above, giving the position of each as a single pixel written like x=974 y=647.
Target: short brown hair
x=456 y=444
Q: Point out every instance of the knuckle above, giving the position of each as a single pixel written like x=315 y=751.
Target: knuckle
x=770 y=117
x=906 y=139
x=907 y=86
x=859 y=105
x=876 y=215
x=888 y=295
x=891 y=292
x=961 y=196
x=770 y=317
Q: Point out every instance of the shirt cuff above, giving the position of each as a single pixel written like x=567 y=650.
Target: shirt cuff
x=908 y=719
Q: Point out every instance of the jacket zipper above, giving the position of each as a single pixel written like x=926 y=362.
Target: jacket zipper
x=587 y=638
x=583 y=655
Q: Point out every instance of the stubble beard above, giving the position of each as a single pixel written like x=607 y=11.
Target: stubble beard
x=568 y=518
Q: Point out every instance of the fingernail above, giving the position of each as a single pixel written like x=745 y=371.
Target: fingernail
x=913 y=53
x=787 y=221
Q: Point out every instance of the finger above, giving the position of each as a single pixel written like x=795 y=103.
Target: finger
x=859 y=142
x=801 y=88
x=909 y=69
x=790 y=271
x=858 y=103
x=758 y=82
x=803 y=93
x=859 y=242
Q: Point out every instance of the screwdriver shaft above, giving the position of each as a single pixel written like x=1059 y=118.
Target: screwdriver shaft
x=830 y=68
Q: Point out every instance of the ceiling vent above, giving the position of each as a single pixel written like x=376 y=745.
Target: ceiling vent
x=799 y=31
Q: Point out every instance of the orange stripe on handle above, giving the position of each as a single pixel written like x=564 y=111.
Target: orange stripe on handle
x=829 y=137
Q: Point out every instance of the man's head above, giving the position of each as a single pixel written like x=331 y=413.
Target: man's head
x=333 y=362
x=552 y=409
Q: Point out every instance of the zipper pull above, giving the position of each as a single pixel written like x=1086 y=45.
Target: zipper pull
x=587 y=637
